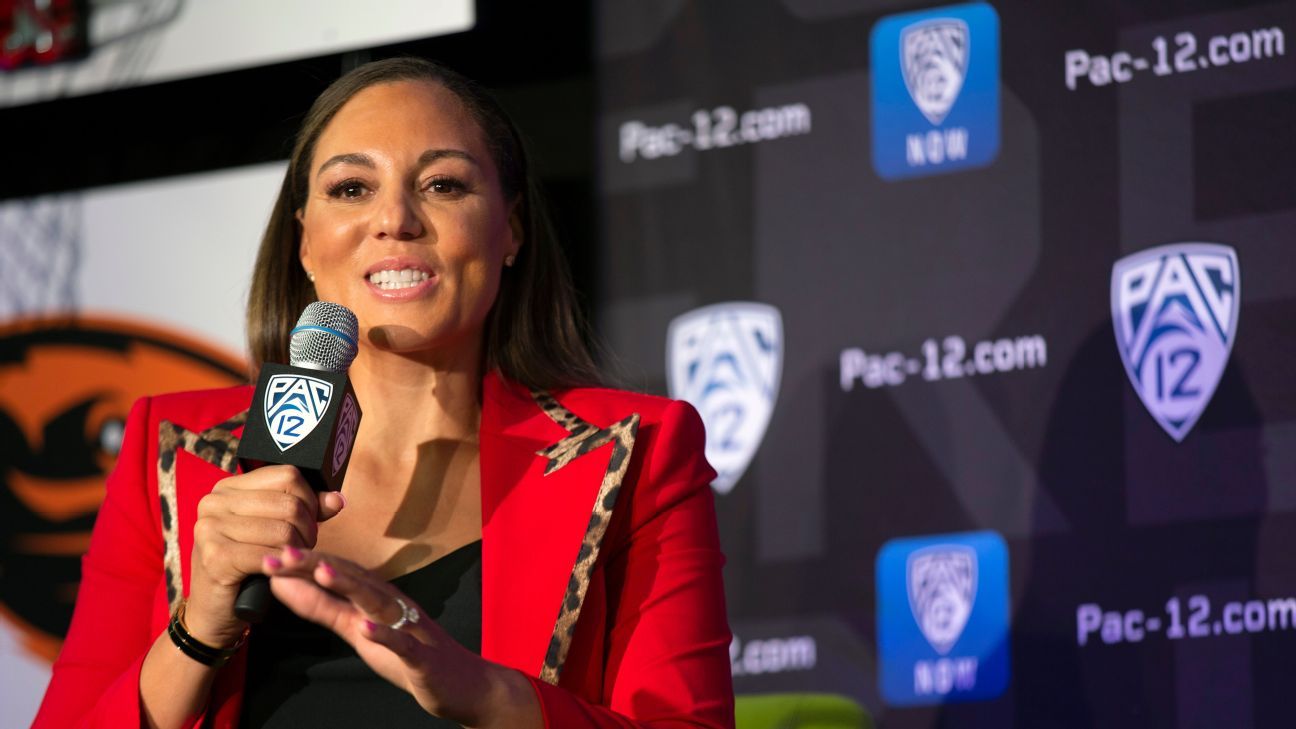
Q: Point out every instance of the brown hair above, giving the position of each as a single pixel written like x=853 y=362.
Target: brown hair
x=534 y=331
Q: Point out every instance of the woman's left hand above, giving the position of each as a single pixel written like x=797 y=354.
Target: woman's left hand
x=445 y=678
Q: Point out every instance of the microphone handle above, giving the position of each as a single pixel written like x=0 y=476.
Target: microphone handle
x=253 y=601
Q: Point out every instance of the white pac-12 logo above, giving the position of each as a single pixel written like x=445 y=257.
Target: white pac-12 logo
x=726 y=360
x=294 y=405
x=935 y=90
x=933 y=61
x=1175 y=312
x=942 y=582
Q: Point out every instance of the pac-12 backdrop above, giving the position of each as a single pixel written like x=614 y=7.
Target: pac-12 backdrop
x=988 y=308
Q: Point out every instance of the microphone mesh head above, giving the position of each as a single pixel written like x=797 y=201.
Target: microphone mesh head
x=325 y=338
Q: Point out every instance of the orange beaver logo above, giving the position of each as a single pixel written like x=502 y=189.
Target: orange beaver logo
x=66 y=386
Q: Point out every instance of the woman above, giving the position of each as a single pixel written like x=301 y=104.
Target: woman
x=485 y=457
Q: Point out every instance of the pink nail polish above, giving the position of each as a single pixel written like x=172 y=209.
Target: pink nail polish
x=371 y=626
x=328 y=569
x=293 y=552
x=273 y=562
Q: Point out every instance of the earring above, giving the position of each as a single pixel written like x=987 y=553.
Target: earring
x=310 y=276
x=508 y=260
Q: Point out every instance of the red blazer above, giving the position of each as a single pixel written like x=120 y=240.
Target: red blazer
x=650 y=644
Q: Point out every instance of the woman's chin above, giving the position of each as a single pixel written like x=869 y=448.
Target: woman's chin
x=405 y=340
x=396 y=338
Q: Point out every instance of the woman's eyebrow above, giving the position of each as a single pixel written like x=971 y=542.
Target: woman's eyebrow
x=350 y=158
x=364 y=160
x=432 y=155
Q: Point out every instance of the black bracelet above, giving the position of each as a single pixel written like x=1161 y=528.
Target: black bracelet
x=196 y=649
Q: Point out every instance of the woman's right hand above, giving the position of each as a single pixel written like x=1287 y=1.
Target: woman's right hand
x=244 y=519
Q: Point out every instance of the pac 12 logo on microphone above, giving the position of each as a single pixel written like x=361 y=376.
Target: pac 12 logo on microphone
x=348 y=424
x=294 y=405
x=935 y=81
x=942 y=618
x=726 y=361
x=1175 y=313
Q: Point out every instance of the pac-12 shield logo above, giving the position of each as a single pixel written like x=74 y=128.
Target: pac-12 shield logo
x=726 y=361
x=935 y=90
x=348 y=423
x=933 y=59
x=942 y=618
x=942 y=589
x=294 y=405
x=1175 y=314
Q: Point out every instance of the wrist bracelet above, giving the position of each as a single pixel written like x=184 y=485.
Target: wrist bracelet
x=196 y=649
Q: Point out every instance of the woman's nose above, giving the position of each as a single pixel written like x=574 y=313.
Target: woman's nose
x=397 y=217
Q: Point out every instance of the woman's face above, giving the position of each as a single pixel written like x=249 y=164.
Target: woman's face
x=405 y=223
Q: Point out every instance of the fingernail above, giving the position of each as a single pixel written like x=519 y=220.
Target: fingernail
x=342 y=499
x=272 y=562
x=371 y=626
x=328 y=569
x=293 y=552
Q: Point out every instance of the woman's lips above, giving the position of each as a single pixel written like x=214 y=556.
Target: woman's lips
x=405 y=278
x=399 y=279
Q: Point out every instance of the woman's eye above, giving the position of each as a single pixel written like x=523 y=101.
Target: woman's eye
x=347 y=190
x=446 y=186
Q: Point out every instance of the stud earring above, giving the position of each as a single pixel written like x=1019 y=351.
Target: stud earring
x=508 y=260
x=310 y=276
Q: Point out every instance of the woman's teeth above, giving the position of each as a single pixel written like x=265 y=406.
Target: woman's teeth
x=402 y=279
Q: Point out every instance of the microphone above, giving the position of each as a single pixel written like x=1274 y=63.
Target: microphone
x=303 y=414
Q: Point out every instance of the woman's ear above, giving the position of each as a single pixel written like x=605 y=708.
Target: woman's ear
x=517 y=228
x=303 y=247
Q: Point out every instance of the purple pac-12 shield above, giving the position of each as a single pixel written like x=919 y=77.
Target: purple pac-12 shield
x=1175 y=315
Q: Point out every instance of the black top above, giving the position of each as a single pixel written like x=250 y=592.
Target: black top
x=300 y=674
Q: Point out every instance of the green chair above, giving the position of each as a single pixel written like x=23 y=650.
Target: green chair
x=800 y=711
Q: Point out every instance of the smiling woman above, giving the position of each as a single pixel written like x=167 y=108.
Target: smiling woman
x=407 y=187
x=517 y=547
x=533 y=334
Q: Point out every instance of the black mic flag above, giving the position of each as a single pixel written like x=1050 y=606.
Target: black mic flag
x=304 y=414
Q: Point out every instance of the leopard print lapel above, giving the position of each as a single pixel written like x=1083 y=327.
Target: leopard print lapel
x=218 y=446
x=583 y=437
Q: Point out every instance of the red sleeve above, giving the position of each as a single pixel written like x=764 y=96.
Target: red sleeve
x=668 y=634
x=95 y=682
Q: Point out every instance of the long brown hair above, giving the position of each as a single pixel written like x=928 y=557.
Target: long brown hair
x=534 y=333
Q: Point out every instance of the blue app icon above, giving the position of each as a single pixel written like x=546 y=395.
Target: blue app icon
x=942 y=618
x=935 y=88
